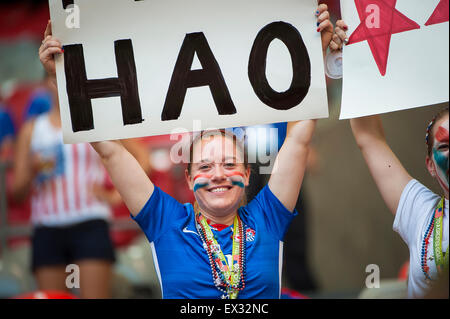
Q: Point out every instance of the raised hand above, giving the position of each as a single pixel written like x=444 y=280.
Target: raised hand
x=49 y=47
x=339 y=36
x=324 y=26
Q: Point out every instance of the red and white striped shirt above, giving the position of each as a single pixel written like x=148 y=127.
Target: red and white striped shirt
x=62 y=192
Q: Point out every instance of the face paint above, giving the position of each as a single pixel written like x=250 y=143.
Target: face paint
x=237 y=179
x=201 y=181
x=204 y=180
x=440 y=155
x=441 y=162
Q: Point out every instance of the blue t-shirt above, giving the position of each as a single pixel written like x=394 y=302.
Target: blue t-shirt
x=182 y=263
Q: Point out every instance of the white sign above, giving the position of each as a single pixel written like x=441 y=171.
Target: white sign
x=140 y=68
x=397 y=57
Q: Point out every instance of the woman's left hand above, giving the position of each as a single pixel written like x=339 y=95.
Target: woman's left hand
x=340 y=36
x=324 y=26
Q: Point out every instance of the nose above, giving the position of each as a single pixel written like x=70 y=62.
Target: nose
x=219 y=173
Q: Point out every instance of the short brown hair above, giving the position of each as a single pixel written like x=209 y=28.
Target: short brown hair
x=225 y=133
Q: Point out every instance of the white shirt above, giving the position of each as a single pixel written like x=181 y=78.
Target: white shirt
x=62 y=193
x=416 y=207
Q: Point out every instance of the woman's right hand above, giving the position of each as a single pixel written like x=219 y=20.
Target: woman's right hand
x=49 y=47
x=340 y=36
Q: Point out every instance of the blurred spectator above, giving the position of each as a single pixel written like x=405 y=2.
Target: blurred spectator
x=70 y=222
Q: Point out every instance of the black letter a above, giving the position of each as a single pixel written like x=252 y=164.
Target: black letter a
x=80 y=90
x=183 y=78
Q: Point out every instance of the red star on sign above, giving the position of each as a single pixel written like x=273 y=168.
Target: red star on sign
x=378 y=35
x=440 y=14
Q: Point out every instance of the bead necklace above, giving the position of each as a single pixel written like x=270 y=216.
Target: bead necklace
x=434 y=228
x=228 y=279
x=424 y=252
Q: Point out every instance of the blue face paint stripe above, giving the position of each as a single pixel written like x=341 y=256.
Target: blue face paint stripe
x=198 y=186
x=240 y=184
x=441 y=161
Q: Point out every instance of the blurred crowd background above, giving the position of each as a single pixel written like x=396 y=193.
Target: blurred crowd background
x=344 y=227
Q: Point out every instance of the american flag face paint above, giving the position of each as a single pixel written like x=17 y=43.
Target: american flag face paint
x=441 y=154
x=204 y=180
x=237 y=179
x=201 y=181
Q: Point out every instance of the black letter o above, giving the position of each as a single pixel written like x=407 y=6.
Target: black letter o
x=301 y=65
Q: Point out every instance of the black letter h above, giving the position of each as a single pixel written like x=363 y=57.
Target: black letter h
x=80 y=90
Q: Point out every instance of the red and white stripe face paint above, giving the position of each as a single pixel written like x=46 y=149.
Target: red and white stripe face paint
x=201 y=181
x=237 y=179
x=441 y=154
x=204 y=180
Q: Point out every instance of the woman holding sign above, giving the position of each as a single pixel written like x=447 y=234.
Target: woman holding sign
x=421 y=217
x=217 y=248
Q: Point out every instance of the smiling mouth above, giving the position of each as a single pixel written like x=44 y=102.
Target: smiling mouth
x=219 y=189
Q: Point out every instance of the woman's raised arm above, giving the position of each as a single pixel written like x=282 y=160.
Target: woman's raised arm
x=388 y=173
x=126 y=173
x=289 y=168
x=290 y=164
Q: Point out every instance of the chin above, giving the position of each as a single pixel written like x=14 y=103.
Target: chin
x=222 y=209
x=219 y=206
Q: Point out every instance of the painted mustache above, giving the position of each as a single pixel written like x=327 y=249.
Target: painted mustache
x=204 y=180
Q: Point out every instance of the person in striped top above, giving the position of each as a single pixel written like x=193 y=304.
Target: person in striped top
x=70 y=224
x=70 y=204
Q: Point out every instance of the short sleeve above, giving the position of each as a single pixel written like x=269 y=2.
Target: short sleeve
x=416 y=202
x=39 y=104
x=267 y=209
x=159 y=214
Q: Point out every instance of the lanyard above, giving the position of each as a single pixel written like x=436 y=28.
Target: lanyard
x=441 y=261
x=231 y=274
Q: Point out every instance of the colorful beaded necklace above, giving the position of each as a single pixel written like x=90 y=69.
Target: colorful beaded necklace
x=229 y=279
x=436 y=224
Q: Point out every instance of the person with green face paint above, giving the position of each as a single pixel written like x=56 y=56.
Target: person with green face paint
x=421 y=216
x=437 y=159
